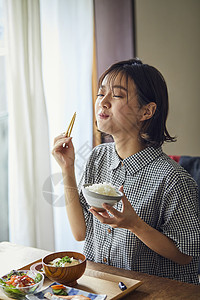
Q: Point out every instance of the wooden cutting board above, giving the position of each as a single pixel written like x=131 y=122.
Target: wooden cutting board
x=100 y=283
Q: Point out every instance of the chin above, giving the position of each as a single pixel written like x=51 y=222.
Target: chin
x=105 y=129
x=108 y=128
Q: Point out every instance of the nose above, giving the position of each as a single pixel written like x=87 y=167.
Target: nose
x=105 y=102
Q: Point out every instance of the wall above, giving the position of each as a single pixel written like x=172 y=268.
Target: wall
x=114 y=29
x=168 y=37
x=114 y=32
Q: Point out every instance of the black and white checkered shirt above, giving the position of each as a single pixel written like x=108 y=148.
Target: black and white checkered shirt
x=162 y=193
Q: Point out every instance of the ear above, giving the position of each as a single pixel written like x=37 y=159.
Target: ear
x=148 y=111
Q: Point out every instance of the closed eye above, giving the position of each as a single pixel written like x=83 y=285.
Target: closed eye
x=117 y=96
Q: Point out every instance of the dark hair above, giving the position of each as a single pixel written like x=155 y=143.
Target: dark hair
x=151 y=87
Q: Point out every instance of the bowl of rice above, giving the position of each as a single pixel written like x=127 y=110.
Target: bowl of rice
x=98 y=193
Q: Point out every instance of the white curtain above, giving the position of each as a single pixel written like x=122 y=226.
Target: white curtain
x=67 y=47
x=37 y=215
x=30 y=215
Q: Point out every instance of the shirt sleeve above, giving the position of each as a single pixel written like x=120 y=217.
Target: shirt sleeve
x=181 y=216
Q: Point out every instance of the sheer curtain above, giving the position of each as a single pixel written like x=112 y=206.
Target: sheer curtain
x=67 y=52
x=30 y=216
x=56 y=36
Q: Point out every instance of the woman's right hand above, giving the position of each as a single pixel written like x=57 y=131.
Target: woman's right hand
x=65 y=156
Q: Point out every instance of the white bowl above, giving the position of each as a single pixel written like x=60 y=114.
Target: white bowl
x=95 y=200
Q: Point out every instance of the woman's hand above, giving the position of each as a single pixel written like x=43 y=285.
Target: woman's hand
x=127 y=218
x=154 y=239
x=64 y=155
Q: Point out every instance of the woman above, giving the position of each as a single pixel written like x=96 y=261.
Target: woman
x=155 y=228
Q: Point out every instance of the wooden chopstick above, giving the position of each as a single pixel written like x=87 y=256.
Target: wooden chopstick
x=71 y=124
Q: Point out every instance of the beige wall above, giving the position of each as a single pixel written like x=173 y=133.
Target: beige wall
x=168 y=37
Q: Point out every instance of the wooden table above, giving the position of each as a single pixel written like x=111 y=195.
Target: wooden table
x=14 y=256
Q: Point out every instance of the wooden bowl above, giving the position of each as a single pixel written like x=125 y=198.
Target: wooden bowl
x=65 y=275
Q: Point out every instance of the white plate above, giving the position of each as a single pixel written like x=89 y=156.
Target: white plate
x=70 y=290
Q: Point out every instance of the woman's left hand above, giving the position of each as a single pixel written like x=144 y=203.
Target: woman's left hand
x=151 y=237
x=127 y=218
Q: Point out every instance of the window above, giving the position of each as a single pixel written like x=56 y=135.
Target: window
x=3 y=131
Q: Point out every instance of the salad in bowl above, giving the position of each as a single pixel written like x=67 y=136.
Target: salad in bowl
x=17 y=284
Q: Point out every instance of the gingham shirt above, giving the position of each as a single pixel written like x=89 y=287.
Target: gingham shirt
x=162 y=193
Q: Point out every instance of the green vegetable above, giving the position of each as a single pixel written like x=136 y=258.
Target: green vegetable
x=2 y=282
x=12 y=292
x=38 y=278
x=65 y=259
x=60 y=292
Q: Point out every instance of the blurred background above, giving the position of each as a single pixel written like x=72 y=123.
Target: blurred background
x=52 y=53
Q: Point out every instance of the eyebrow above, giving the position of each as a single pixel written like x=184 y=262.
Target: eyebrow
x=115 y=87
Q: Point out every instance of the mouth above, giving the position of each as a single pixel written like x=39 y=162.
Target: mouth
x=103 y=116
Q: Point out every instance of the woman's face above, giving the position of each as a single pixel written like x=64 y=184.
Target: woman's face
x=117 y=109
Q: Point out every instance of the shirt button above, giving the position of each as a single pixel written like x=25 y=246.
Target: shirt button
x=109 y=230
x=105 y=259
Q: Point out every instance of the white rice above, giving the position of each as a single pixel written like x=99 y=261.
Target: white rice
x=103 y=189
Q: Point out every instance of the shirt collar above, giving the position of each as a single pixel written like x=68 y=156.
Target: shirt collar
x=136 y=161
x=115 y=159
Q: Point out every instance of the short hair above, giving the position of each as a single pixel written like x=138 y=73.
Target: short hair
x=150 y=87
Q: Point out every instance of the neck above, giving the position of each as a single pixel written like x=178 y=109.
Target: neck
x=126 y=147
